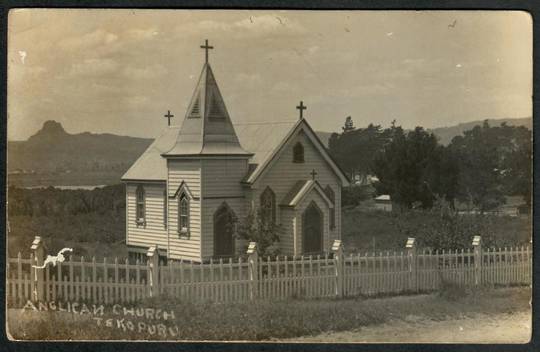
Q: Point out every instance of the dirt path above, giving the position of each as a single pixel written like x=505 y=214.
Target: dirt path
x=498 y=328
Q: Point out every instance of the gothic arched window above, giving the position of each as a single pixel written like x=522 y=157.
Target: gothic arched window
x=268 y=206
x=298 y=153
x=330 y=194
x=183 y=214
x=140 y=205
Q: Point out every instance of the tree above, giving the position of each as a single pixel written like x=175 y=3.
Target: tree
x=493 y=161
x=409 y=168
x=254 y=228
x=517 y=175
x=354 y=148
x=349 y=125
x=442 y=174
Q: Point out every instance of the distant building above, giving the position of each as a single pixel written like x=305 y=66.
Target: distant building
x=383 y=202
x=514 y=206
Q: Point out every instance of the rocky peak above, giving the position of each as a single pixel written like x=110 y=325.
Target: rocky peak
x=50 y=130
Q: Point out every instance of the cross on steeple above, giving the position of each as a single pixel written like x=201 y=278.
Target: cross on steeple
x=168 y=116
x=301 y=108
x=206 y=47
x=313 y=173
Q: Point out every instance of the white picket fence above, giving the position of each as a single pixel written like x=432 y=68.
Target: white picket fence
x=76 y=280
x=331 y=275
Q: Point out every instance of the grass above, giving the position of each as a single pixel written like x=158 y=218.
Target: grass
x=100 y=230
x=378 y=230
x=91 y=234
x=100 y=236
x=264 y=320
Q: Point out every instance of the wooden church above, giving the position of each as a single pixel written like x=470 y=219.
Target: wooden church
x=185 y=189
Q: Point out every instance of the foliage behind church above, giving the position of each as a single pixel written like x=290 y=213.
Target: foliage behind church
x=478 y=168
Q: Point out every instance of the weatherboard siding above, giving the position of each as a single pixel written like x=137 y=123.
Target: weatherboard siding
x=188 y=171
x=221 y=182
x=182 y=246
x=154 y=231
x=283 y=174
x=222 y=177
x=286 y=238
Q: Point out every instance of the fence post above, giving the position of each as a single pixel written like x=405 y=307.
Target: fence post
x=411 y=255
x=477 y=246
x=253 y=269
x=337 y=248
x=37 y=280
x=153 y=272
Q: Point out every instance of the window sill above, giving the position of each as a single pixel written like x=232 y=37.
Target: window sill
x=140 y=223
x=183 y=234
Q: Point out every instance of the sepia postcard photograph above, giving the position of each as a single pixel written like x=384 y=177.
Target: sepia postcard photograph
x=285 y=176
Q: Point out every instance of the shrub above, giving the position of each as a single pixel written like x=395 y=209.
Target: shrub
x=254 y=228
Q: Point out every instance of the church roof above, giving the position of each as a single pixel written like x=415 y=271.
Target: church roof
x=207 y=128
x=151 y=165
x=260 y=139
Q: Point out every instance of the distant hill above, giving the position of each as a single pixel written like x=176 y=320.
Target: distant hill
x=445 y=134
x=54 y=152
x=324 y=137
x=54 y=157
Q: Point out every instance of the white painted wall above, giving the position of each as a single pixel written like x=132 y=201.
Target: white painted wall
x=154 y=231
x=189 y=171
x=221 y=183
x=283 y=174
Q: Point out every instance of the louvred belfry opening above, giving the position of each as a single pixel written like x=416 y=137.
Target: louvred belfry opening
x=207 y=128
x=195 y=111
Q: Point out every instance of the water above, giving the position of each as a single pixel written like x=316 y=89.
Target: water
x=85 y=187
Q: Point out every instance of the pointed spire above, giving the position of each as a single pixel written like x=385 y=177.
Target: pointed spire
x=207 y=127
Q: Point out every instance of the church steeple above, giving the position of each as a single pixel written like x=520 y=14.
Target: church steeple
x=207 y=127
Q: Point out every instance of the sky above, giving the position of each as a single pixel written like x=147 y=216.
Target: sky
x=119 y=71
